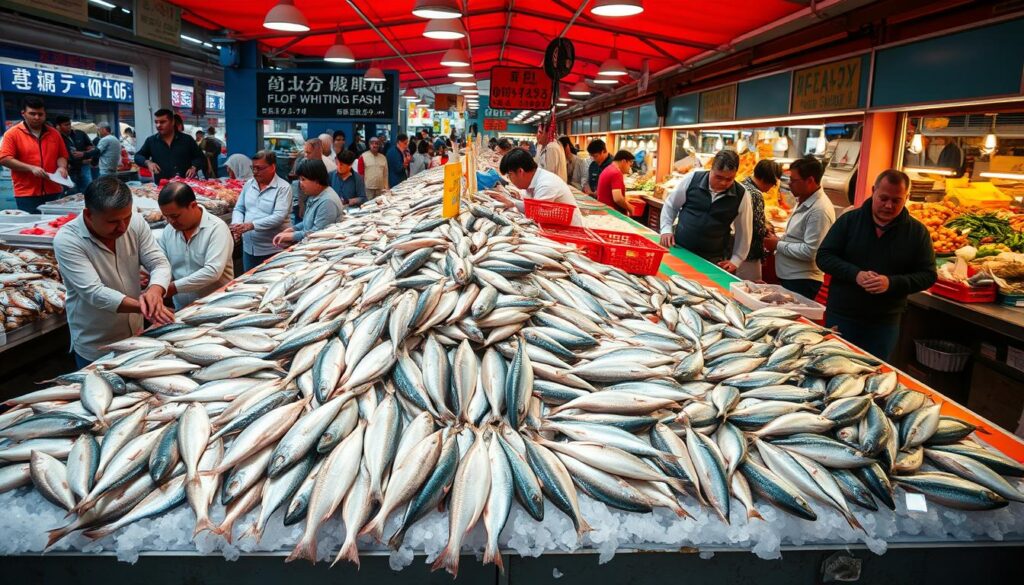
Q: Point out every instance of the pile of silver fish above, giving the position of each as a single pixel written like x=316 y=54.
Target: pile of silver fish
x=398 y=362
x=30 y=288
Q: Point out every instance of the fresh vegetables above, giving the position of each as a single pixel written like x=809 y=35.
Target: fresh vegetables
x=985 y=228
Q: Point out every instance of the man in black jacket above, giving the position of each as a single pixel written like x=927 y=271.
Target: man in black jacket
x=169 y=153
x=877 y=255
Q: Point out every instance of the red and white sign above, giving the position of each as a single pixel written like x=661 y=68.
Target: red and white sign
x=520 y=88
x=495 y=124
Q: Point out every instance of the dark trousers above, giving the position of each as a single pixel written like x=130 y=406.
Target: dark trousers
x=877 y=338
x=80 y=362
x=31 y=203
x=249 y=261
x=802 y=286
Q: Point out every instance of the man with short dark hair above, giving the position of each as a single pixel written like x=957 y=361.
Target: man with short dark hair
x=100 y=254
x=33 y=151
x=536 y=183
x=550 y=153
x=338 y=140
x=805 y=230
x=261 y=211
x=197 y=244
x=599 y=161
x=398 y=162
x=877 y=255
x=707 y=205
x=575 y=167
x=169 y=153
x=611 y=186
x=347 y=184
x=504 y=146
x=211 y=147
x=108 y=148
x=80 y=148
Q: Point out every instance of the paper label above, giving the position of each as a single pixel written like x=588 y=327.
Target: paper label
x=917 y=503
x=452 y=190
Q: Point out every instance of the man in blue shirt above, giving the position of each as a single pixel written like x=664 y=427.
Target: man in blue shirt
x=349 y=185
x=398 y=164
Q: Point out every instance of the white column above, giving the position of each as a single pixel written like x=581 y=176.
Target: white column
x=152 y=79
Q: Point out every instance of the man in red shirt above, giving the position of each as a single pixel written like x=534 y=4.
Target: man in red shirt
x=611 y=185
x=33 y=150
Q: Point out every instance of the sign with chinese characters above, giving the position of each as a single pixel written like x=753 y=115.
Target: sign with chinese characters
x=158 y=21
x=495 y=124
x=23 y=77
x=718 y=105
x=319 y=96
x=70 y=9
x=828 y=87
x=520 y=88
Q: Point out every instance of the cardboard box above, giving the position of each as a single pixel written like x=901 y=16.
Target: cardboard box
x=996 y=396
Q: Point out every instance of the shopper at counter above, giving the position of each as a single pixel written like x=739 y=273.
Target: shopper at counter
x=100 y=254
x=706 y=204
x=81 y=152
x=550 y=154
x=398 y=164
x=599 y=161
x=805 y=230
x=108 y=148
x=536 y=183
x=575 y=167
x=169 y=153
x=373 y=166
x=34 y=151
x=766 y=175
x=421 y=160
x=197 y=244
x=323 y=206
x=877 y=255
x=346 y=183
x=611 y=185
x=505 y=146
x=262 y=210
x=239 y=167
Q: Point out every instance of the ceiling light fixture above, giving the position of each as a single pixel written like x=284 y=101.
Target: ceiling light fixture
x=617 y=7
x=445 y=30
x=286 y=17
x=580 y=89
x=466 y=83
x=455 y=57
x=605 y=80
x=102 y=4
x=339 y=51
x=374 y=74
x=440 y=9
x=462 y=73
x=410 y=95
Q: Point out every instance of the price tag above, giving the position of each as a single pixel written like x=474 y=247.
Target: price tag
x=916 y=503
x=452 y=190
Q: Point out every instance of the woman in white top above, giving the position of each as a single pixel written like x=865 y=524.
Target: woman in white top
x=239 y=167
x=537 y=183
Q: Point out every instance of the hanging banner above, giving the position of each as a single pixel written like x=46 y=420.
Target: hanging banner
x=452 y=190
x=158 y=21
x=718 y=105
x=519 y=88
x=23 y=77
x=319 y=96
x=828 y=87
x=69 y=9
x=495 y=125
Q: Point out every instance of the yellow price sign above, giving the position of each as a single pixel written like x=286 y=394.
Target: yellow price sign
x=452 y=190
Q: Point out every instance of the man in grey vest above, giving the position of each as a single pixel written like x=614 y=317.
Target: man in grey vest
x=709 y=205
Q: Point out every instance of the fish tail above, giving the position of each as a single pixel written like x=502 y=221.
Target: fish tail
x=752 y=513
x=224 y=530
x=305 y=549
x=374 y=527
x=582 y=527
x=204 y=524
x=349 y=552
x=96 y=534
x=493 y=555
x=854 y=523
x=253 y=531
x=397 y=539
x=448 y=560
x=55 y=535
x=681 y=511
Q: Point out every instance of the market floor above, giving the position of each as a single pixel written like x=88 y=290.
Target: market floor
x=24 y=366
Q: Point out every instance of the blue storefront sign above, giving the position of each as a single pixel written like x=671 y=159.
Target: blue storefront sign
x=29 y=78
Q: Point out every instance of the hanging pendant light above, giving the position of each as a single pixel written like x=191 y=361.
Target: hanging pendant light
x=617 y=7
x=604 y=80
x=580 y=89
x=339 y=52
x=449 y=30
x=613 y=67
x=374 y=74
x=286 y=17
x=455 y=57
x=466 y=83
x=411 y=95
x=439 y=9
x=461 y=73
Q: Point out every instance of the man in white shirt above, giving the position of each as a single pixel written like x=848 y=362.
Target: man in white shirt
x=197 y=244
x=100 y=254
x=550 y=154
x=707 y=204
x=805 y=231
x=373 y=166
x=261 y=211
x=536 y=183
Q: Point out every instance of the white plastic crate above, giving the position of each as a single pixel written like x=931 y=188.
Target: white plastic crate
x=803 y=306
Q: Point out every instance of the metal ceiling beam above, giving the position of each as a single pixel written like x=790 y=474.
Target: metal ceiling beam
x=355 y=27
x=508 y=25
x=384 y=38
x=572 y=20
x=465 y=25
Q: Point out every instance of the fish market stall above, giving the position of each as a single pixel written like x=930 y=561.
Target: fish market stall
x=322 y=406
x=31 y=296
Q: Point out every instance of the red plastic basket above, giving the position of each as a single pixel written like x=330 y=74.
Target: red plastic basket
x=963 y=293
x=548 y=213
x=631 y=252
x=582 y=239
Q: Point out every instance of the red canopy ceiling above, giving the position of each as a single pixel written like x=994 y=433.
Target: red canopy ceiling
x=506 y=32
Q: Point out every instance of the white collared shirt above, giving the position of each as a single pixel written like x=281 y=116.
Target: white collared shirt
x=742 y=226
x=551 y=158
x=201 y=265
x=546 y=186
x=98 y=280
x=267 y=210
x=805 y=231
